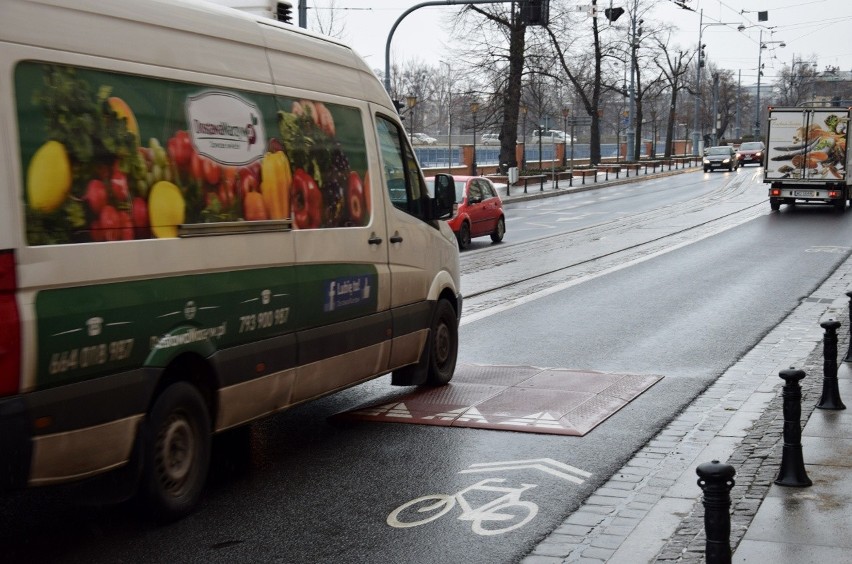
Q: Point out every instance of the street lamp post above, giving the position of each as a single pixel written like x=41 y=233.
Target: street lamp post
x=737 y=131
x=696 y=133
x=631 y=119
x=715 y=108
x=474 y=107
x=540 y=133
x=410 y=101
x=763 y=45
x=565 y=113
x=524 y=138
x=449 y=116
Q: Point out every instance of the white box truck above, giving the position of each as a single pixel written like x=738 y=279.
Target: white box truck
x=806 y=157
x=205 y=217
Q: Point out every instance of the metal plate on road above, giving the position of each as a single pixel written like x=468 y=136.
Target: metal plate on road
x=514 y=398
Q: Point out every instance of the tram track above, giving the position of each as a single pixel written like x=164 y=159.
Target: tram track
x=500 y=276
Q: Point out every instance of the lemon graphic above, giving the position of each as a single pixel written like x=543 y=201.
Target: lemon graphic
x=49 y=177
x=123 y=111
x=166 y=209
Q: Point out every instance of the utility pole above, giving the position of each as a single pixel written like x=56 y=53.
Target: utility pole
x=631 y=124
x=715 y=108
x=737 y=130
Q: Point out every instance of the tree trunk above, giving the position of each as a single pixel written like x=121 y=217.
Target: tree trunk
x=511 y=101
x=671 y=124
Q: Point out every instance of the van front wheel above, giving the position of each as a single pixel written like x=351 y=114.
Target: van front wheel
x=177 y=452
x=443 y=345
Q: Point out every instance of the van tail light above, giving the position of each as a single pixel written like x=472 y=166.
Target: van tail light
x=10 y=327
x=833 y=194
x=775 y=192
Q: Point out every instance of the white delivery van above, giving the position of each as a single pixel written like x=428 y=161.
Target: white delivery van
x=205 y=217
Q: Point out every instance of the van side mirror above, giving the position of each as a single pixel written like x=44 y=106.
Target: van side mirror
x=445 y=196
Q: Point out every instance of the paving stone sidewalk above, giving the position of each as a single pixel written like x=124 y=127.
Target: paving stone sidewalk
x=650 y=510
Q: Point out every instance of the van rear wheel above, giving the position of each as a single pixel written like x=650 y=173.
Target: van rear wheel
x=177 y=453
x=443 y=345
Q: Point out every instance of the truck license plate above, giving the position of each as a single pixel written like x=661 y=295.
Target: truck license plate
x=804 y=193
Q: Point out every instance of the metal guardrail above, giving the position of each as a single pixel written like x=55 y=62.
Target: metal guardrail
x=434 y=156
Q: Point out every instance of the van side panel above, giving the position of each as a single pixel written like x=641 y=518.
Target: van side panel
x=195 y=195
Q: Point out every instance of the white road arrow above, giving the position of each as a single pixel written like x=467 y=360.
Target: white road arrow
x=547 y=465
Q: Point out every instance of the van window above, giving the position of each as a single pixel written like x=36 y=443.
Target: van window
x=404 y=184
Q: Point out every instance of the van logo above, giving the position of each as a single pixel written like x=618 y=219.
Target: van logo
x=225 y=127
x=94 y=326
x=189 y=310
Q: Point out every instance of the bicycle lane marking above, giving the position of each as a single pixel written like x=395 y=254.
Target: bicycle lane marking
x=543 y=464
x=508 y=509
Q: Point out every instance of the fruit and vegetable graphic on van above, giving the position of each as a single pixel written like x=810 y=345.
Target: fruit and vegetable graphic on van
x=122 y=157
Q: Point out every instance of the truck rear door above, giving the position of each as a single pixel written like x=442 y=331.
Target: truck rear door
x=807 y=144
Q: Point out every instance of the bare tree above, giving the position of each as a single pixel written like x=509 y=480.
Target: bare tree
x=673 y=67
x=794 y=84
x=505 y=49
x=584 y=71
x=323 y=18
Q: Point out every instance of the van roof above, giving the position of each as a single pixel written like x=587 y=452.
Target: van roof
x=70 y=25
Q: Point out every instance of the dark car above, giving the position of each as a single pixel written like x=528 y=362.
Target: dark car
x=723 y=156
x=751 y=152
x=479 y=210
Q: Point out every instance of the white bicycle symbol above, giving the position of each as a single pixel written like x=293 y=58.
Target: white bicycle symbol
x=507 y=507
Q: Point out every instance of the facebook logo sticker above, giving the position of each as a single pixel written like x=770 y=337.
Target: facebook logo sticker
x=348 y=291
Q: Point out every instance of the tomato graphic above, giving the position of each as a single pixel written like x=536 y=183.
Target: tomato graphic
x=118 y=184
x=110 y=224
x=180 y=148
x=305 y=201
x=196 y=166
x=126 y=232
x=96 y=195
x=139 y=215
x=355 y=199
x=212 y=172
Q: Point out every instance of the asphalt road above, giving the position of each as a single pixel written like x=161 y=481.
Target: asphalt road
x=677 y=294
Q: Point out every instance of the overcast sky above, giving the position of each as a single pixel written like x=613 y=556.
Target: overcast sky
x=820 y=28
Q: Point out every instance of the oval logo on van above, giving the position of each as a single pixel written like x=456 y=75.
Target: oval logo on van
x=225 y=128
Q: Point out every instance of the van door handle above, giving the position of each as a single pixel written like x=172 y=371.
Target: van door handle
x=396 y=238
x=374 y=239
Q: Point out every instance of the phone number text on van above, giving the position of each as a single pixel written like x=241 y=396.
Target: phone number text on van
x=87 y=357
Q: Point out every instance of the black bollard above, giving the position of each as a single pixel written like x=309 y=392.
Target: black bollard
x=716 y=480
x=830 y=392
x=848 y=357
x=792 y=471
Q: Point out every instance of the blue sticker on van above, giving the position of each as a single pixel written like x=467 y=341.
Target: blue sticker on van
x=348 y=291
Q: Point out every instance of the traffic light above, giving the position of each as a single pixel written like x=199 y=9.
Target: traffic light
x=613 y=14
x=535 y=12
x=284 y=12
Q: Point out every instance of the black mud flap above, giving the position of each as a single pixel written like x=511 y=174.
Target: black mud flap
x=413 y=374
x=115 y=486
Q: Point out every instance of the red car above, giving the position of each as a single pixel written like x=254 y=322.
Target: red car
x=479 y=210
x=751 y=152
